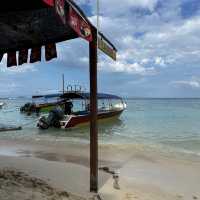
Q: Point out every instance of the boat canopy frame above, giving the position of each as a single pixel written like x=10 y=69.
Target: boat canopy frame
x=78 y=95
x=86 y=95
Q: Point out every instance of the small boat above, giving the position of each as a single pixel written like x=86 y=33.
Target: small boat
x=76 y=110
x=42 y=104
x=1 y=104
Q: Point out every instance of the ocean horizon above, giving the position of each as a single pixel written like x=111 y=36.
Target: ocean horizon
x=124 y=97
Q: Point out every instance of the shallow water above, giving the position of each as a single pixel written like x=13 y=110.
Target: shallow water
x=163 y=124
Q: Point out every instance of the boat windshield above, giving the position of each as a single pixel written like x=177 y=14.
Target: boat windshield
x=103 y=105
x=42 y=100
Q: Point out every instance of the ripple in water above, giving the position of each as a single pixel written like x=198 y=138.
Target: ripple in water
x=159 y=123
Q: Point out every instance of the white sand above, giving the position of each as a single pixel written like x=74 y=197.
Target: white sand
x=158 y=179
x=18 y=185
x=144 y=175
x=67 y=177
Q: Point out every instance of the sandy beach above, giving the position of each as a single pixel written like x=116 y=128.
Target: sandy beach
x=18 y=185
x=60 y=170
x=120 y=76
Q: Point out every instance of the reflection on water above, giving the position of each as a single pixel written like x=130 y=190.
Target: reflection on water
x=106 y=129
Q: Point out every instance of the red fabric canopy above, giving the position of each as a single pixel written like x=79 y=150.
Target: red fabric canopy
x=32 y=24
x=49 y=2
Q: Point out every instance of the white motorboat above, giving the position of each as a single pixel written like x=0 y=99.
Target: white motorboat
x=1 y=104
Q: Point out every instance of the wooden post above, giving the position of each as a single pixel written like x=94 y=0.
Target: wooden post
x=93 y=115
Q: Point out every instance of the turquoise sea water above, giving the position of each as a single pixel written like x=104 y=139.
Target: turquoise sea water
x=165 y=124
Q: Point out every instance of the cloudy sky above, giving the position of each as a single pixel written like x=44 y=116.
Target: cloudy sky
x=158 y=45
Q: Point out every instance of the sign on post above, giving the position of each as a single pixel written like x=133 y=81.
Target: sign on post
x=106 y=48
x=79 y=25
x=69 y=15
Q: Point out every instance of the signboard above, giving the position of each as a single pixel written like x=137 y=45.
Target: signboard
x=106 y=48
x=71 y=16
x=74 y=19
x=79 y=25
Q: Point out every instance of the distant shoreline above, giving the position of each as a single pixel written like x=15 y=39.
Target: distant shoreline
x=159 y=98
x=126 y=98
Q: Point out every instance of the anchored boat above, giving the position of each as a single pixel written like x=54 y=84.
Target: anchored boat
x=1 y=104
x=42 y=103
x=76 y=110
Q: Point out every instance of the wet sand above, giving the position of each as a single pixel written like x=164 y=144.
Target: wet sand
x=143 y=174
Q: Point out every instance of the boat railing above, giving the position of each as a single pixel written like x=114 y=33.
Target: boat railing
x=75 y=88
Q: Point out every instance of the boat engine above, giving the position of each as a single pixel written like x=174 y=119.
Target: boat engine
x=53 y=119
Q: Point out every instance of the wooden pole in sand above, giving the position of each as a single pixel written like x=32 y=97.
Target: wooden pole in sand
x=93 y=115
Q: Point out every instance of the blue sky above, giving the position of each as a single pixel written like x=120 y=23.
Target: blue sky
x=158 y=45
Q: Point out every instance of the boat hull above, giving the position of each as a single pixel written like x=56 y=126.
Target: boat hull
x=48 y=108
x=80 y=120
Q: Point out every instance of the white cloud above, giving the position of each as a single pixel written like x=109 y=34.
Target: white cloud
x=147 y=40
x=190 y=83
x=75 y=53
x=133 y=68
x=9 y=87
x=160 y=61
x=144 y=61
x=15 y=69
x=118 y=7
x=84 y=60
x=157 y=42
x=154 y=43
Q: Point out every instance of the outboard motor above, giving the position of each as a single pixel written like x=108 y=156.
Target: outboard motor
x=53 y=119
